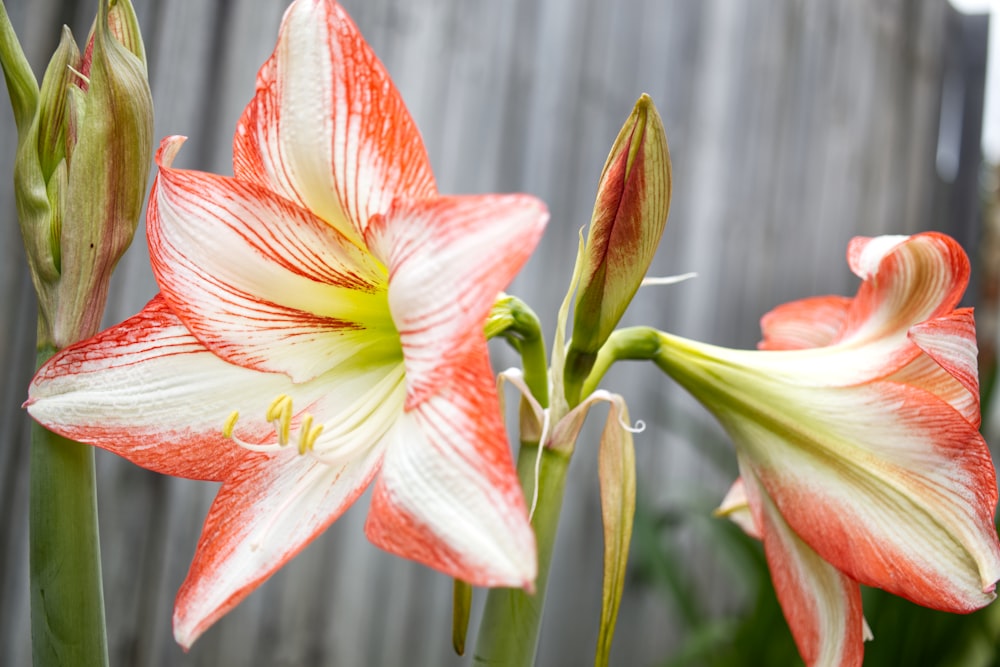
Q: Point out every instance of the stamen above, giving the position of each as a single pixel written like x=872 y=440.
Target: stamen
x=227 y=428
x=308 y=434
x=280 y=412
x=345 y=435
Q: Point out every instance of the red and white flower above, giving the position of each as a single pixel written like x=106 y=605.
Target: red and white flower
x=856 y=428
x=320 y=325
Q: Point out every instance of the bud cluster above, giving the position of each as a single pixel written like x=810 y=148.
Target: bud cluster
x=84 y=147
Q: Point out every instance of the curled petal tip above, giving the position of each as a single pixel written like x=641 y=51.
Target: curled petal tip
x=168 y=149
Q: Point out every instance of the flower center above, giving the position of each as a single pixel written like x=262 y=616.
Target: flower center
x=348 y=428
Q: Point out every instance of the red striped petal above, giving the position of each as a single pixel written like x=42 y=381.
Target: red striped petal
x=148 y=391
x=260 y=281
x=327 y=128
x=264 y=514
x=803 y=324
x=448 y=496
x=906 y=280
x=890 y=485
x=821 y=604
x=950 y=341
x=448 y=258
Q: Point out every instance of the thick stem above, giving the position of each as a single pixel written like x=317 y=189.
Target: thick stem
x=508 y=633
x=67 y=599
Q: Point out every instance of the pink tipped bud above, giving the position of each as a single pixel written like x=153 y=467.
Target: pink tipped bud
x=633 y=198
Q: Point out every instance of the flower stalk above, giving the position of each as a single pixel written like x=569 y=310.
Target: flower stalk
x=84 y=142
x=67 y=599
x=508 y=633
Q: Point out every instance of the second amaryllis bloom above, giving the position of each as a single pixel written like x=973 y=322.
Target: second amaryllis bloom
x=856 y=428
x=320 y=326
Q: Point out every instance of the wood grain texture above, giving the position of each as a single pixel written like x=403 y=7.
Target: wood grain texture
x=793 y=126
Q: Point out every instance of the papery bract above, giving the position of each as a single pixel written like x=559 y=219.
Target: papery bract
x=856 y=428
x=320 y=325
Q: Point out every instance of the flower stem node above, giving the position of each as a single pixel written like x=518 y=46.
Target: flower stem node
x=84 y=147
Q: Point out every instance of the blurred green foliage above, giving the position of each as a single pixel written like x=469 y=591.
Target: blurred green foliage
x=755 y=634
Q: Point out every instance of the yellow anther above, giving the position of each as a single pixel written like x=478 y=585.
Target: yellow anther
x=277 y=406
x=227 y=428
x=280 y=412
x=307 y=421
x=308 y=435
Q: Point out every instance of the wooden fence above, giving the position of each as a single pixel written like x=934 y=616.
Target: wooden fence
x=793 y=126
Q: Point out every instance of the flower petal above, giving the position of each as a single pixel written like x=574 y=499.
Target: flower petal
x=906 y=280
x=928 y=375
x=327 y=128
x=447 y=496
x=735 y=507
x=147 y=390
x=950 y=341
x=803 y=324
x=260 y=281
x=887 y=483
x=448 y=258
x=265 y=514
x=822 y=605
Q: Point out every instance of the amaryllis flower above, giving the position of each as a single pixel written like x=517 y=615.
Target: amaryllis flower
x=856 y=429
x=320 y=325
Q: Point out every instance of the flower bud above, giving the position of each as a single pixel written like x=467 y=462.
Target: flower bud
x=84 y=146
x=61 y=74
x=110 y=122
x=633 y=198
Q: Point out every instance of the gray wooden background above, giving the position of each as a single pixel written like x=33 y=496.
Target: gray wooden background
x=793 y=126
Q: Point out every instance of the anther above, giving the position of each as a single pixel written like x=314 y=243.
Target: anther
x=308 y=434
x=227 y=428
x=280 y=412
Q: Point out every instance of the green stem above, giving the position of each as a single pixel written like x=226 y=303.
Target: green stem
x=578 y=367
x=636 y=343
x=532 y=348
x=519 y=325
x=508 y=633
x=67 y=599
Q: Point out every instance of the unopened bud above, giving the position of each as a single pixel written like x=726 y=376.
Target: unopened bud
x=84 y=146
x=633 y=199
x=111 y=120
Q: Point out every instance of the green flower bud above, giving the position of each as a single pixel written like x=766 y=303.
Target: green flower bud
x=111 y=120
x=633 y=199
x=61 y=74
x=84 y=147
